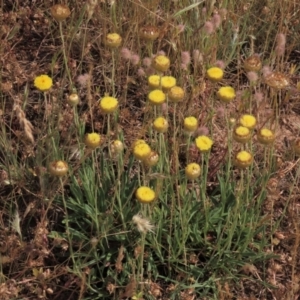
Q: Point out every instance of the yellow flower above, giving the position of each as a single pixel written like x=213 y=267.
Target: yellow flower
x=192 y=171
x=154 y=81
x=58 y=168
x=43 y=82
x=137 y=142
x=248 y=121
x=141 y=151
x=203 y=143
x=190 y=124
x=73 y=99
x=161 y=63
x=108 y=104
x=167 y=82
x=243 y=159
x=241 y=134
x=215 y=74
x=226 y=94
x=265 y=136
x=176 y=94
x=113 y=40
x=92 y=140
x=151 y=160
x=60 y=12
x=145 y=194
x=160 y=124
x=157 y=97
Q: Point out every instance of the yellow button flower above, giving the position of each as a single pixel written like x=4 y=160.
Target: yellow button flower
x=215 y=74
x=226 y=94
x=58 y=168
x=108 y=104
x=243 y=159
x=190 y=124
x=157 y=97
x=167 y=82
x=141 y=151
x=160 y=124
x=248 y=121
x=241 y=134
x=161 y=63
x=192 y=171
x=43 y=82
x=176 y=94
x=203 y=143
x=154 y=81
x=73 y=99
x=113 y=40
x=265 y=136
x=145 y=194
x=92 y=140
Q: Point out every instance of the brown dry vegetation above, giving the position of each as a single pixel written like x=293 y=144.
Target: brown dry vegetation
x=37 y=260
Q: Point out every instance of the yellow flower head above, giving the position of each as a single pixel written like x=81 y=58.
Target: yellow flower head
x=176 y=94
x=160 y=124
x=58 y=168
x=43 y=82
x=215 y=74
x=113 y=40
x=226 y=94
x=167 y=82
x=154 y=81
x=203 y=143
x=248 y=121
x=92 y=140
x=192 y=171
x=241 y=134
x=190 y=124
x=137 y=142
x=108 y=104
x=265 y=136
x=145 y=194
x=151 y=160
x=141 y=151
x=157 y=97
x=161 y=63
x=243 y=159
